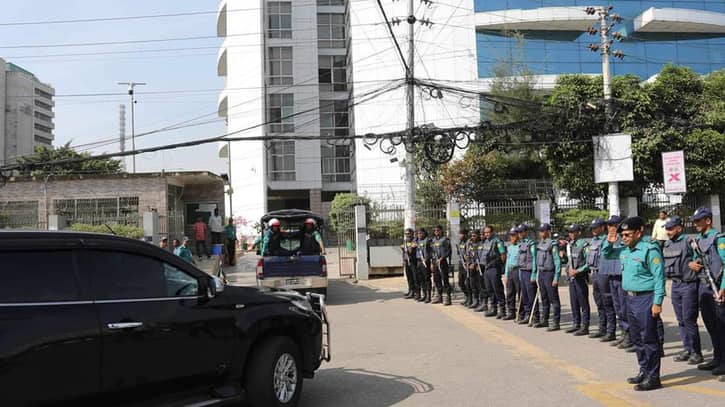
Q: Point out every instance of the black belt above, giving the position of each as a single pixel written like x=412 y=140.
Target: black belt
x=615 y=276
x=680 y=280
x=638 y=293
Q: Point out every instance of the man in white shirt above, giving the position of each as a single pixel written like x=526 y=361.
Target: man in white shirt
x=216 y=227
x=659 y=233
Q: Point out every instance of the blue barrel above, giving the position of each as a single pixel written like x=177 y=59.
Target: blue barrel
x=217 y=249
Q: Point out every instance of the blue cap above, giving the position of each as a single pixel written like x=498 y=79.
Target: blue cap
x=615 y=220
x=633 y=223
x=673 y=221
x=543 y=227
x=574 y=227
x=597 y=222
x=521 y=228
x=514 y=230
x=700 y=213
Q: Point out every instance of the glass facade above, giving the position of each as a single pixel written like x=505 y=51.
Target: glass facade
x=562 y=52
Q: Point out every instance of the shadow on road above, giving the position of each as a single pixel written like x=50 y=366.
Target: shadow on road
x=345 y=292
x=691 y=376
x=359 y=387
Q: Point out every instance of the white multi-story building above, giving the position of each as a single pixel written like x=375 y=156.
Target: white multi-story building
x=26 y=112
x=285 y=64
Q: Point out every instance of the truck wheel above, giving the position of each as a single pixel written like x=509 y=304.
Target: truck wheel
x=274 y=374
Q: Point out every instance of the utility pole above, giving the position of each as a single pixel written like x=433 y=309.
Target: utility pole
x=229 y=176
x=410 y=216
x=606 y=21
x=122 y=131
x=131 y=85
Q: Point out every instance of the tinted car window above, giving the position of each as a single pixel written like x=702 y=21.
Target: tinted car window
x=119 y=275
x=37 y=276
x=179 y=283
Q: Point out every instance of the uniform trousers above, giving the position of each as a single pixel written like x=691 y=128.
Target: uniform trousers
x=643 y=334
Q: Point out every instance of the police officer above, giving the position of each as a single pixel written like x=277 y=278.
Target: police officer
x=548 y=271
x=463 y=267
x=474 y=269
x=424 y=252
x=578 y=281
x=493 y=253
x=439 y=264
x=643 y=279
x=410 y=264
x=712 y=245
x=513 y=282
x=527 y=273
x=685 y=283
x=608 y=274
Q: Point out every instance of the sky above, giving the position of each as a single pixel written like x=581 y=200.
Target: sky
x=81 y=120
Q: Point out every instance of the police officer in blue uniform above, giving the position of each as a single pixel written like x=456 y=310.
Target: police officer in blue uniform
x=440 y=263
x=643 y=279
x=513 y=282
x=410 y=264
x=463 y=266
x=685 y=284
x=610 y=305
x=712 y=244
x=424 y=254
x=578 y=282
x=526 y=263
x=474 y=269
x=493 y=252
x=548 y=272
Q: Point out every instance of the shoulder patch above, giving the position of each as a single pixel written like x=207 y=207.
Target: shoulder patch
x=721 y=246
x=656 y=261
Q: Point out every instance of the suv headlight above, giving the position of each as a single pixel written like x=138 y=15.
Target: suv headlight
x=303 y=304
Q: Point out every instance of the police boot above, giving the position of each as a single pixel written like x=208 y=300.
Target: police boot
x=583 y=331
x=621 y=339
x=626 y=342
x=482 y=306
x=609 y=337
x=448 y=299
x=418 y=295
x=427 y=296
x=543 y=324
x=501 y=314
x=439 y=298
x=554 y=326
x=491 y=312
x=600 y=333
x=511 y=315
x=474 y=302
x=573 y=329
x=409 y=294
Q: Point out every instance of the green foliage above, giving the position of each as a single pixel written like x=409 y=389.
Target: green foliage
x=131 y=232
x=580 y=216
x=79 y=162
x=705 y=162
x=342 y=215
x=501 y=222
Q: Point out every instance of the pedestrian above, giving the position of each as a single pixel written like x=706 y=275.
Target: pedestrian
x=578 y=271
x=441 y=251
x=548 y=272
x=200 y=237
x=463 y=272
x=712 y=245
x=493 y=255
x=164 y=243
x=659 y=234
x=216 y=227
x=175 y=245
x=513 y=281
x=408 y=249
x=423 y=255
x=685 y=285
x=643 y=279
x=607 y=286
x=230 y=233
x=183 y=250
x=527 y=273
x=474 y=269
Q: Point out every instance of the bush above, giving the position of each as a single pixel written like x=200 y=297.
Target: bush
x=131 y=232
x=501 y=222
x=581 y=216
x=342 y=215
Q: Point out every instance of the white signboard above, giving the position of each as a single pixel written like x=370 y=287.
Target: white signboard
x=673 y=169
x=613 y=158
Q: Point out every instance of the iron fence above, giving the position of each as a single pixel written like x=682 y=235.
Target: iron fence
x=97 y=211
x=501 y=215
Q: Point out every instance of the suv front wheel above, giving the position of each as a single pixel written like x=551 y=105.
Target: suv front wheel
x=274 y=374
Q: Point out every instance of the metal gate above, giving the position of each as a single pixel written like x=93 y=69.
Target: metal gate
x=342 y=259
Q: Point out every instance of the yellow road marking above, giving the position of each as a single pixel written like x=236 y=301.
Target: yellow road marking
x=684 y=384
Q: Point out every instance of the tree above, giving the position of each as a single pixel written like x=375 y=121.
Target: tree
x=342 y=215
x=42 y=163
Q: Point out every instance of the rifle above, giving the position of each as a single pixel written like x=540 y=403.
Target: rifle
x=704 y=261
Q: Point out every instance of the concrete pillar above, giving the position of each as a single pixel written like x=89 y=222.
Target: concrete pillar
x=151 y=227
x=628 y=206
x=362 y=268
x=542 y=210
x=453 y=212
x=316 y=201
x=57 y=222
x=713 y=202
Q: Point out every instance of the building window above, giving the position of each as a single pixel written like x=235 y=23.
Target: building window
x=331 y=30
x=97 y=211
x=42 y=140
x=42 y=116
x=281 y=107
x=43 y=105
x=279 y=19
x=334 y=118
x=280 y=65
x=330 y=2
x=332 y=73
x=40 y=92
x=42 y=128
x=282 y=160
x=335 y=163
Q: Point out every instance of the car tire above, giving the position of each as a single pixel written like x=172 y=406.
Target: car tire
x=274 y=374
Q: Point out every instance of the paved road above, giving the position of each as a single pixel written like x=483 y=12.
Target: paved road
x=388 y=351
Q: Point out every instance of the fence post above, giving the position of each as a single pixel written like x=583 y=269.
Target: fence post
x=542 y=210
x=628 y=206
x=453 y=212
x=713 y=202
x=57 y=222
x=361 y=244
x=151 y=227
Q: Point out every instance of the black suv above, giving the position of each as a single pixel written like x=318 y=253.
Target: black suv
x=103 y=320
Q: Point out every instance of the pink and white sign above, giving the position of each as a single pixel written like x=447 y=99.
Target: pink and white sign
x=673 y=168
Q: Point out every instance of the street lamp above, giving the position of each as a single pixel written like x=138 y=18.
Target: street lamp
x=131 y=85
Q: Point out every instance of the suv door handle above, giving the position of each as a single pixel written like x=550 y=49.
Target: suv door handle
x=125 y=325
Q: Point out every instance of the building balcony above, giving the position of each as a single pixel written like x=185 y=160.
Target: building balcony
x=221 y=67
x=223 y=104
x=539 y=19
x=221 y=20
x=678 y=20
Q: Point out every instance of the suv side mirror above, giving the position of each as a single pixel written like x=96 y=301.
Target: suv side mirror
x=215 y=287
